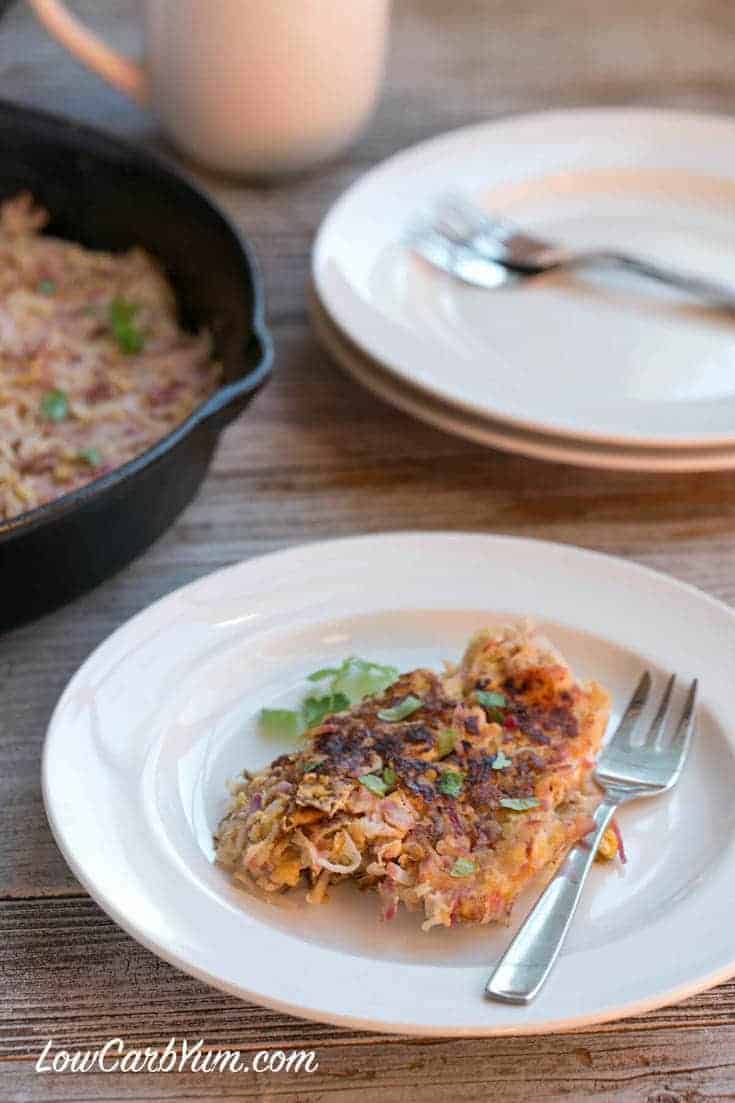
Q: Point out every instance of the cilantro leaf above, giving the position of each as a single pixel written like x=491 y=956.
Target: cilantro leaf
x=325 y=672
x=281 y=723
x=463 y=867
x=359 y=678
x=356 y=678
x=390 y=777
x=345 y=685
x=374 y=783
x=493 y=703
x=316 y=708
x=501 y=761
x=519 y=804
x=445 y=742
x=451 y=783
x=491 y=700
x=400 y=711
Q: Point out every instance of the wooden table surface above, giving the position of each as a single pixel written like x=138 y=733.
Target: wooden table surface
x=317 y=457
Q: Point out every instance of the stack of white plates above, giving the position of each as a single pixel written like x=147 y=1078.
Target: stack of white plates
x=595 y=369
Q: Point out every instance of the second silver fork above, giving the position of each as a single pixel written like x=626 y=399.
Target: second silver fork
x=471 y=245
x=625 y=771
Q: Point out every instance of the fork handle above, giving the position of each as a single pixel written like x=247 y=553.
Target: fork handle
x=527 y=962
x=714 y=291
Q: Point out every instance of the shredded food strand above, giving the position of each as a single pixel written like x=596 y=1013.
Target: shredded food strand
x=455 y=836
x=80 y=395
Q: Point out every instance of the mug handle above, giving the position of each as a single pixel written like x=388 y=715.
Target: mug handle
x=117 y=70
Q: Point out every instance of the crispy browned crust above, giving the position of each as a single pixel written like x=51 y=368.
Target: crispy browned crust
x=549 y=729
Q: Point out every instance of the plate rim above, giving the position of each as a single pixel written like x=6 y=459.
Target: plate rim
x=547 y=448
x=300 y=1010
x=609 y=113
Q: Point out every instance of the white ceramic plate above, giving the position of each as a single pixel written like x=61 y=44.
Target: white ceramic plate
x=149 y=730
x=593 y=356
x=494 y=434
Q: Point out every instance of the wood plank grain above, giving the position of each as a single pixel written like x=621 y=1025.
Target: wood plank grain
x=89 y=982
x=553 y=1070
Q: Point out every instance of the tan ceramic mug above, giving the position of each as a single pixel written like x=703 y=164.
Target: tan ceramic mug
x=258 y=87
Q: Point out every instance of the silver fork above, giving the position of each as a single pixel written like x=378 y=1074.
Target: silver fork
x=625 y=771
x=461 y=239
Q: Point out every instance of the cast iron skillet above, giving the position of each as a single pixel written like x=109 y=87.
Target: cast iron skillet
x=106 y=194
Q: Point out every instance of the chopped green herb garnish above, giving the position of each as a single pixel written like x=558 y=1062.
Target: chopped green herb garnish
x=281 y=723
x=310 y=767
x=445 y=742
x=358 y=678
x=501 y=761
x=125 y=331
x=451 y=783
x=491 y=700
x=347 y=685
x=404 y=708
x=519 y=804
x=390 y=777
x=325 y=672
x=374 y=783
x=55 y=405
x=91 y=456
x=492 y=703
x=46 y=287
x=316 y=708
x=463 y=867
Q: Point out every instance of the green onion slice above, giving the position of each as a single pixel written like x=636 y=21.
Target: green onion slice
x=91 y=456
x=128 y=335
x=55 y=405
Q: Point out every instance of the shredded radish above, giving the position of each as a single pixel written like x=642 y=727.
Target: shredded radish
x=318 y=861
x=389 y=897
x=374 y=828
x=395 y=873
x=397 y=814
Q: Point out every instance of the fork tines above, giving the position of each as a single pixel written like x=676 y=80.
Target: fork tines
x=654 y=762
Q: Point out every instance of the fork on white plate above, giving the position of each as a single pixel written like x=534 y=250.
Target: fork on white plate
x=482 y=249
x=626 y=770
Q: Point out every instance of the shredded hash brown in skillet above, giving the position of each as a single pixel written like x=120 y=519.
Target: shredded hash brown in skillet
x=94 y=367
x=445 y=793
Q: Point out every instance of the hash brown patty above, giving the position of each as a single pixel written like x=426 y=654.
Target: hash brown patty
x=451 y=810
